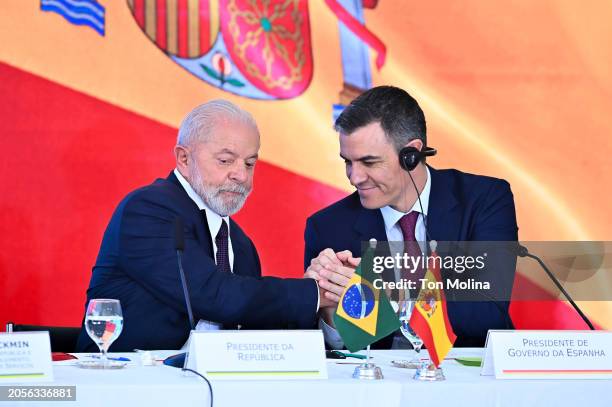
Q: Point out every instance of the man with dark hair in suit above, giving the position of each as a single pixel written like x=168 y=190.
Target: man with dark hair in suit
x=216 y=153
x=455 y=206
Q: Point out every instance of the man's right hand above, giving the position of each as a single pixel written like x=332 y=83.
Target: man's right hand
x=332 y=271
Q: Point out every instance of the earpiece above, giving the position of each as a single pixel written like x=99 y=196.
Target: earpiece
x=410 y=157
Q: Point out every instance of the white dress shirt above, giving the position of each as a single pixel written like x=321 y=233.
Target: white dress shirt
x=391 y=218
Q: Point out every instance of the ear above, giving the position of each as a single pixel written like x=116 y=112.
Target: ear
x=416 y=143
x=182 y=156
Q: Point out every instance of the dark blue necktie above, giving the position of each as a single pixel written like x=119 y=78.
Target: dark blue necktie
x=222 y=243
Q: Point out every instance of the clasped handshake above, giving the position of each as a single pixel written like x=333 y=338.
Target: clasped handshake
x=332 y=271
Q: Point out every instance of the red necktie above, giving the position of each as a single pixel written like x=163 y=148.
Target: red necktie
x=407 y=224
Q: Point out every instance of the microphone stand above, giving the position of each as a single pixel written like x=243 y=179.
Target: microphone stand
x=524 y=252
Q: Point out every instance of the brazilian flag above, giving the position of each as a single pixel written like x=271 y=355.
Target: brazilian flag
x=364 y=313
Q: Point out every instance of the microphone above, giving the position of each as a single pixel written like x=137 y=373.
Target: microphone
x=522 y=251
x=180 y=360
x=179 y=235
x=179 y=245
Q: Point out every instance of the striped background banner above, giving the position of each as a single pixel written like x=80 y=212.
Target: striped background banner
x=185 y=28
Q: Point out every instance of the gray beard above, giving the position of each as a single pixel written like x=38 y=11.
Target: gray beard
x=211 y=195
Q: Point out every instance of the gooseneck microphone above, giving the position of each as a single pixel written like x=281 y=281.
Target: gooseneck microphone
x=179 y=245
x=522 y=251
x=180 y=360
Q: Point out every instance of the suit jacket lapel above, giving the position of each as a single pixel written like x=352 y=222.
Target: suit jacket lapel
x=443 y=217
x=204 y=235
x=371 y=225
x=243 y=262
x=200 y=224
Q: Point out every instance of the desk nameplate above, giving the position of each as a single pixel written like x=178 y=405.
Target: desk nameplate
x=548 y=355
x=25 y=357
x=258 y=355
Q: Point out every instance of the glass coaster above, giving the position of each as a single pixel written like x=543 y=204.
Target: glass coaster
x=97 y=364
x=405 y=364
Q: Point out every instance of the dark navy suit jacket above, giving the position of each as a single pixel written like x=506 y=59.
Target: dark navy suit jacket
x=462 y=207
x=137 y=264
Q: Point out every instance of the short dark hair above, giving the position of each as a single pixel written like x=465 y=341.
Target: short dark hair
x=398 y=113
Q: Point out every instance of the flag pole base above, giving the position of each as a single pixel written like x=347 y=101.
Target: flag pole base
x=429 y=373
x=368 y=371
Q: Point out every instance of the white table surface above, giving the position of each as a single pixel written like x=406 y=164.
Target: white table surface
x=161 y=385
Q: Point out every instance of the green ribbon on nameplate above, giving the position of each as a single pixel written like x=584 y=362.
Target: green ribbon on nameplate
x=470 y=361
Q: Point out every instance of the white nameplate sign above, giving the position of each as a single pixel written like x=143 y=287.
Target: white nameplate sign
x=548 y=355
x=258 y=355
x=25 y=357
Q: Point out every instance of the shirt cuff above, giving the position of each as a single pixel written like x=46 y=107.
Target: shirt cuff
x=331 y=335
x=318 y=296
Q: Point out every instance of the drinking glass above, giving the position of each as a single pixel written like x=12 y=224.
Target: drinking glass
x=405 y=308
x=103 y=323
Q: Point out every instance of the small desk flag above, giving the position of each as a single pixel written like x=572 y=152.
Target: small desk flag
x=430 y=317
x=364 y=314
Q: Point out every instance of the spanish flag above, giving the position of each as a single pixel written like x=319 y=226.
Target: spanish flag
x=430 y=317
x=364 y=314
